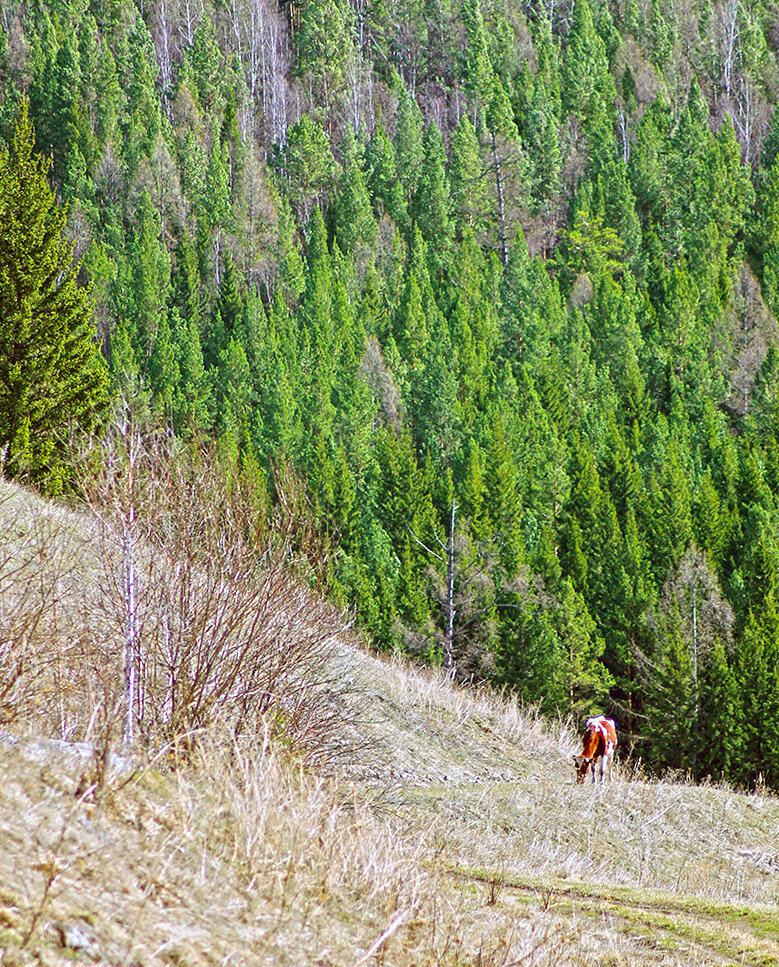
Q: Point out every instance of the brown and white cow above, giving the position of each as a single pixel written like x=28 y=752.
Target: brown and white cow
x=600 y=741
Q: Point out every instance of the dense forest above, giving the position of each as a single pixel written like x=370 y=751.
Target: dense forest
x=496 y=280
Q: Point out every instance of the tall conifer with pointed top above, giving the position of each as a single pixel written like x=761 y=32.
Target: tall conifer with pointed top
x=51 y=372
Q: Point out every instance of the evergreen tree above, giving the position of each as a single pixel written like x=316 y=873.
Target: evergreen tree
x=409 y=150
x=477 y=68
x=431 y=207
x=355 y=224
x=204 y=61
x=51 y=373
x=582 y=674
x=756 y=670
x=307 y=164
x=324 y=42
x=386 y=190
x=470 y=199
x=63 y=123
x=192 y=399
x=588 y=83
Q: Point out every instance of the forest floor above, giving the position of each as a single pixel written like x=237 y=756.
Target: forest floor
x=447 y=830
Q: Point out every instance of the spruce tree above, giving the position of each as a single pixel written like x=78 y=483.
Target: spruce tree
x=354 y=221
x=468 y=183
x=51 y=372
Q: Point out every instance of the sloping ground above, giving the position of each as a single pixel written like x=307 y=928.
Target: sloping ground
x=446 y=830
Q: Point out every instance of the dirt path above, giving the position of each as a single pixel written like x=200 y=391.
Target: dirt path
x=692 y=931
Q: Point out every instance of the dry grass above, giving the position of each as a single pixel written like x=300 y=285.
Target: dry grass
x=439 y=827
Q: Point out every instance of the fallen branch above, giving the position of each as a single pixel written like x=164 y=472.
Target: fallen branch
x=398 y=922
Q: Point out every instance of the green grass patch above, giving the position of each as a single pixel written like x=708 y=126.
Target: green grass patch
x=737 y=933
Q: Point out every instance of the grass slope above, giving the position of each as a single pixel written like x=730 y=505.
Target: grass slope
x=444 y=829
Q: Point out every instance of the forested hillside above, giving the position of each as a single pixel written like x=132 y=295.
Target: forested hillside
x=496 y=280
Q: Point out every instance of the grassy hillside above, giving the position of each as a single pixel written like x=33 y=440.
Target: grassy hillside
x=435 y=826
x=439 y=826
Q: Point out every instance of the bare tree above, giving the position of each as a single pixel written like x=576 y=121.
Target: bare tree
x=162 y=35
x=33 y=570
x=376 y=375
x=262 y=40
x=754 y=330
x=750 y=113
x=728 y=38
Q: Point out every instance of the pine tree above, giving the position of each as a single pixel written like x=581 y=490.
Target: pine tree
x=589 y=85
x=432 y=204
x=354 y=221
x=506 y=157
x=477 y=68
x=470 y=200
x=63 y=121
x=142 y=120
x=307 y=164
x=205 y=62
x=51 y=372
x=544 y=145
x=584 y=677
x=193 y=397
x=757 y=676
x=409 y=150
x=110 y=97
x=147 y=279
x=164 y=372
x=324 y=43
x=386 y=189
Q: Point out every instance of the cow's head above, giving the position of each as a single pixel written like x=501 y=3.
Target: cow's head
x=581 y=764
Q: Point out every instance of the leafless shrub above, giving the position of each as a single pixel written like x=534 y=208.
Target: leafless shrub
x=33 y=569
x=199 y=597
x=495 y=885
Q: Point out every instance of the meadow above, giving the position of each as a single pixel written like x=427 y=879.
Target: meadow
x=419 y=823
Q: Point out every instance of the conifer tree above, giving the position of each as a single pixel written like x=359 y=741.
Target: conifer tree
x=205 y=63
x=164 y=372
x=143 y=118
x=355 y=224
x=589 y=86
x=324 y=42
x=307 y=164
x=468 y=182
x=582 y=674
x=477 y=68
x=147 y=273
x=63 y=121
x=409 y=150
x=192 y=399
x=387 y=193
x=506 y=156
x=757 y=676
x=51 y=372
x=432 y=204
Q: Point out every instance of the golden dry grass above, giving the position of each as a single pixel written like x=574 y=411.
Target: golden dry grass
x=443 y=827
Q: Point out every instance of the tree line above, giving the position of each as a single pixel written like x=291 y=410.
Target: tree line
x=497 y=280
